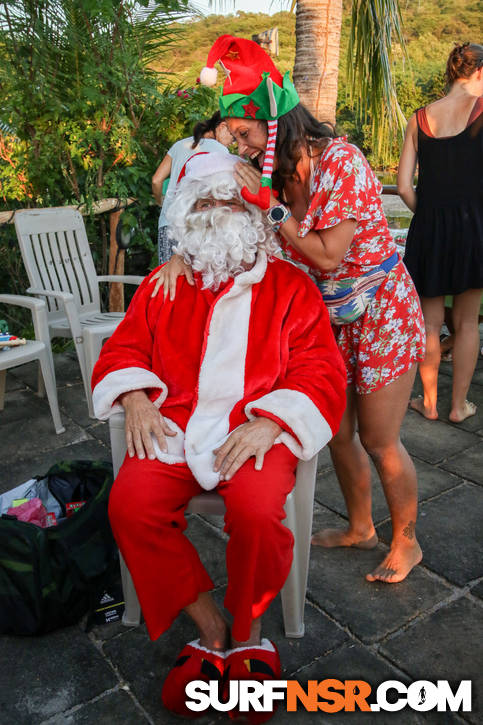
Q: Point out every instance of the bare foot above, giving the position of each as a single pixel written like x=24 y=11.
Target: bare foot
x=330 y=538
x=467 y=411
x=417 y=404
x=397 y=564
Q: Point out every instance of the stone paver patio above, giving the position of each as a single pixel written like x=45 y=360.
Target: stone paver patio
x=427 y=627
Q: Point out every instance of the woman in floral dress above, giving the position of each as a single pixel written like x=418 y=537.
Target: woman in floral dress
x=338 y=230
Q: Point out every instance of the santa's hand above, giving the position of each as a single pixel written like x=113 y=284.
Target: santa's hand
x=142 y=420
x=250 y=439
x=167 y=276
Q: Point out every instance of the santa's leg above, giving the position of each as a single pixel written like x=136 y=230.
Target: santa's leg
x=259 y=552
x=146 y=510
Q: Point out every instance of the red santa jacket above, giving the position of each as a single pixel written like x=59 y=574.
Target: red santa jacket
x=210 y=361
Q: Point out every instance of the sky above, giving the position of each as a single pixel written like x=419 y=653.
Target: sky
x=249 y=6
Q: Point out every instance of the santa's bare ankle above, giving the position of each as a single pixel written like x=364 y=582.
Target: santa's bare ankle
x=216 y=638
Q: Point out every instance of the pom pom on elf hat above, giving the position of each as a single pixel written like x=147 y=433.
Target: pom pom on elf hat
x=253 y=88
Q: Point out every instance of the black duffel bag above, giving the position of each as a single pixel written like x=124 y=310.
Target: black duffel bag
x=51 y=577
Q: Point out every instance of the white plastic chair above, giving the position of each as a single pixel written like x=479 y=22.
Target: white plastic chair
x=58 y=260
x=38 y=349
x=298 y=507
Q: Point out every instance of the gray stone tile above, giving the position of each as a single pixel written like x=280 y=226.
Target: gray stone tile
x=66 y=366
x=12 y=383
x=17 y=471
x=472 y=424
x=144 y=665
x=446 y=645
x=72 y=401
x=324 y=460
x=210 y=546
x=371 y=610
x=33 y=430
x=322 y=636
x=114 y=707
x=433 y=441
x=431 y=481
x=49 y=675
x=468 y=464
x=477 y=590
x=454 y=517
x=100 y=430
x=350 y=662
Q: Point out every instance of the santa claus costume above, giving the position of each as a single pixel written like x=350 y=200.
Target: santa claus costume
x=211 y=360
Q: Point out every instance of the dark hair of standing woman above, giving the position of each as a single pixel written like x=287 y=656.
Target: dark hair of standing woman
x=298 y=129
x=463 y=60
x=203 y=127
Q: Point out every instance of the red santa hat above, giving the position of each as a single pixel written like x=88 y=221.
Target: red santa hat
x=253 y=87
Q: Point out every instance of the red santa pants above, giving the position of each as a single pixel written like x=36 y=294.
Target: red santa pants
x=146 y=510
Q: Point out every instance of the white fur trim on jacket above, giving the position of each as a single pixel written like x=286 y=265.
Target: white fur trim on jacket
x=114 y=384
x=221 y=381
x=301 y=415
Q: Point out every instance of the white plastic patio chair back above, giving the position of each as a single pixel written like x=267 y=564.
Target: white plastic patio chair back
x=298 y=508
x=38 y=349
x=58 y=260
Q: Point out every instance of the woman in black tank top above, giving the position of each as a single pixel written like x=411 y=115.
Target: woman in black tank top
x=444 y=248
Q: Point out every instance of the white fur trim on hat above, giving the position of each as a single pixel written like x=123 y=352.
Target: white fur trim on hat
x=215 y=162
x=208 y=76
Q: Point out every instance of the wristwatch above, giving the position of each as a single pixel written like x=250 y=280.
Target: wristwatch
x=278 y=215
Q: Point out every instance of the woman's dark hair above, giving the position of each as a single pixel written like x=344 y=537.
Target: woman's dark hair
x=297 y=130
x=203 y=127
x=463 y=60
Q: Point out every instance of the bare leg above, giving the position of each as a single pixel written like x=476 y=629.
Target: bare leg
x=354 y=475
x=212 y=626
x=254 y=638
x=433 y=311
x=466 y=307
x=380 y=415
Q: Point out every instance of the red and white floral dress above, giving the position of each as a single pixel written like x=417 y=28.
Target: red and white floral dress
x=389 y=337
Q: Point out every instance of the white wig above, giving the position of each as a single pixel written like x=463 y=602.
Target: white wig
x=218 y=243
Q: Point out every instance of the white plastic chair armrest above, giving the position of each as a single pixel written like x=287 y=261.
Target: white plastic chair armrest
x=64 y=296
x=125 y=278
x=39 y=314
x=70 y=308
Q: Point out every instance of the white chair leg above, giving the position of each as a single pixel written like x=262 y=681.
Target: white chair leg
x=51 y=390
x=299 y=508
x=86 y=377
x=132 y=609
x=92 y=349
x=40 y=382
x=3 y=378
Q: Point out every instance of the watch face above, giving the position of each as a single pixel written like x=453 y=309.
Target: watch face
x=277 y=213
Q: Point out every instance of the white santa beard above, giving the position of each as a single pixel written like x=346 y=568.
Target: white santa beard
x=220 y=244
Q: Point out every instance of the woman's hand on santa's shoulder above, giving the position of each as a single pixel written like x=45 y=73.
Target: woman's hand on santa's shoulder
x=143 y=419
x=250 y=439
x=167 y=276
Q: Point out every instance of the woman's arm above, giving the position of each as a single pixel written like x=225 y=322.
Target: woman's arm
x=161 y=173
x=407 y=165
x=326 y=248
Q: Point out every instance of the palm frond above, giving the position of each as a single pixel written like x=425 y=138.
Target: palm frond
x=375 y=25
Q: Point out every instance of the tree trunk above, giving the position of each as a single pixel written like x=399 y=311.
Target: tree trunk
x=116 y=266
x=317 y=31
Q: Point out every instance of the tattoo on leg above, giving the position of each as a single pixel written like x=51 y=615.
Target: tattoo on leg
x=409 y=530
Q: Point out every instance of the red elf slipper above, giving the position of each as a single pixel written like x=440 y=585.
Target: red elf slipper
x=194 y=662
x=252 y=663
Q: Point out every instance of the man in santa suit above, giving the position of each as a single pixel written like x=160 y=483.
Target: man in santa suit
x=225 y=387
